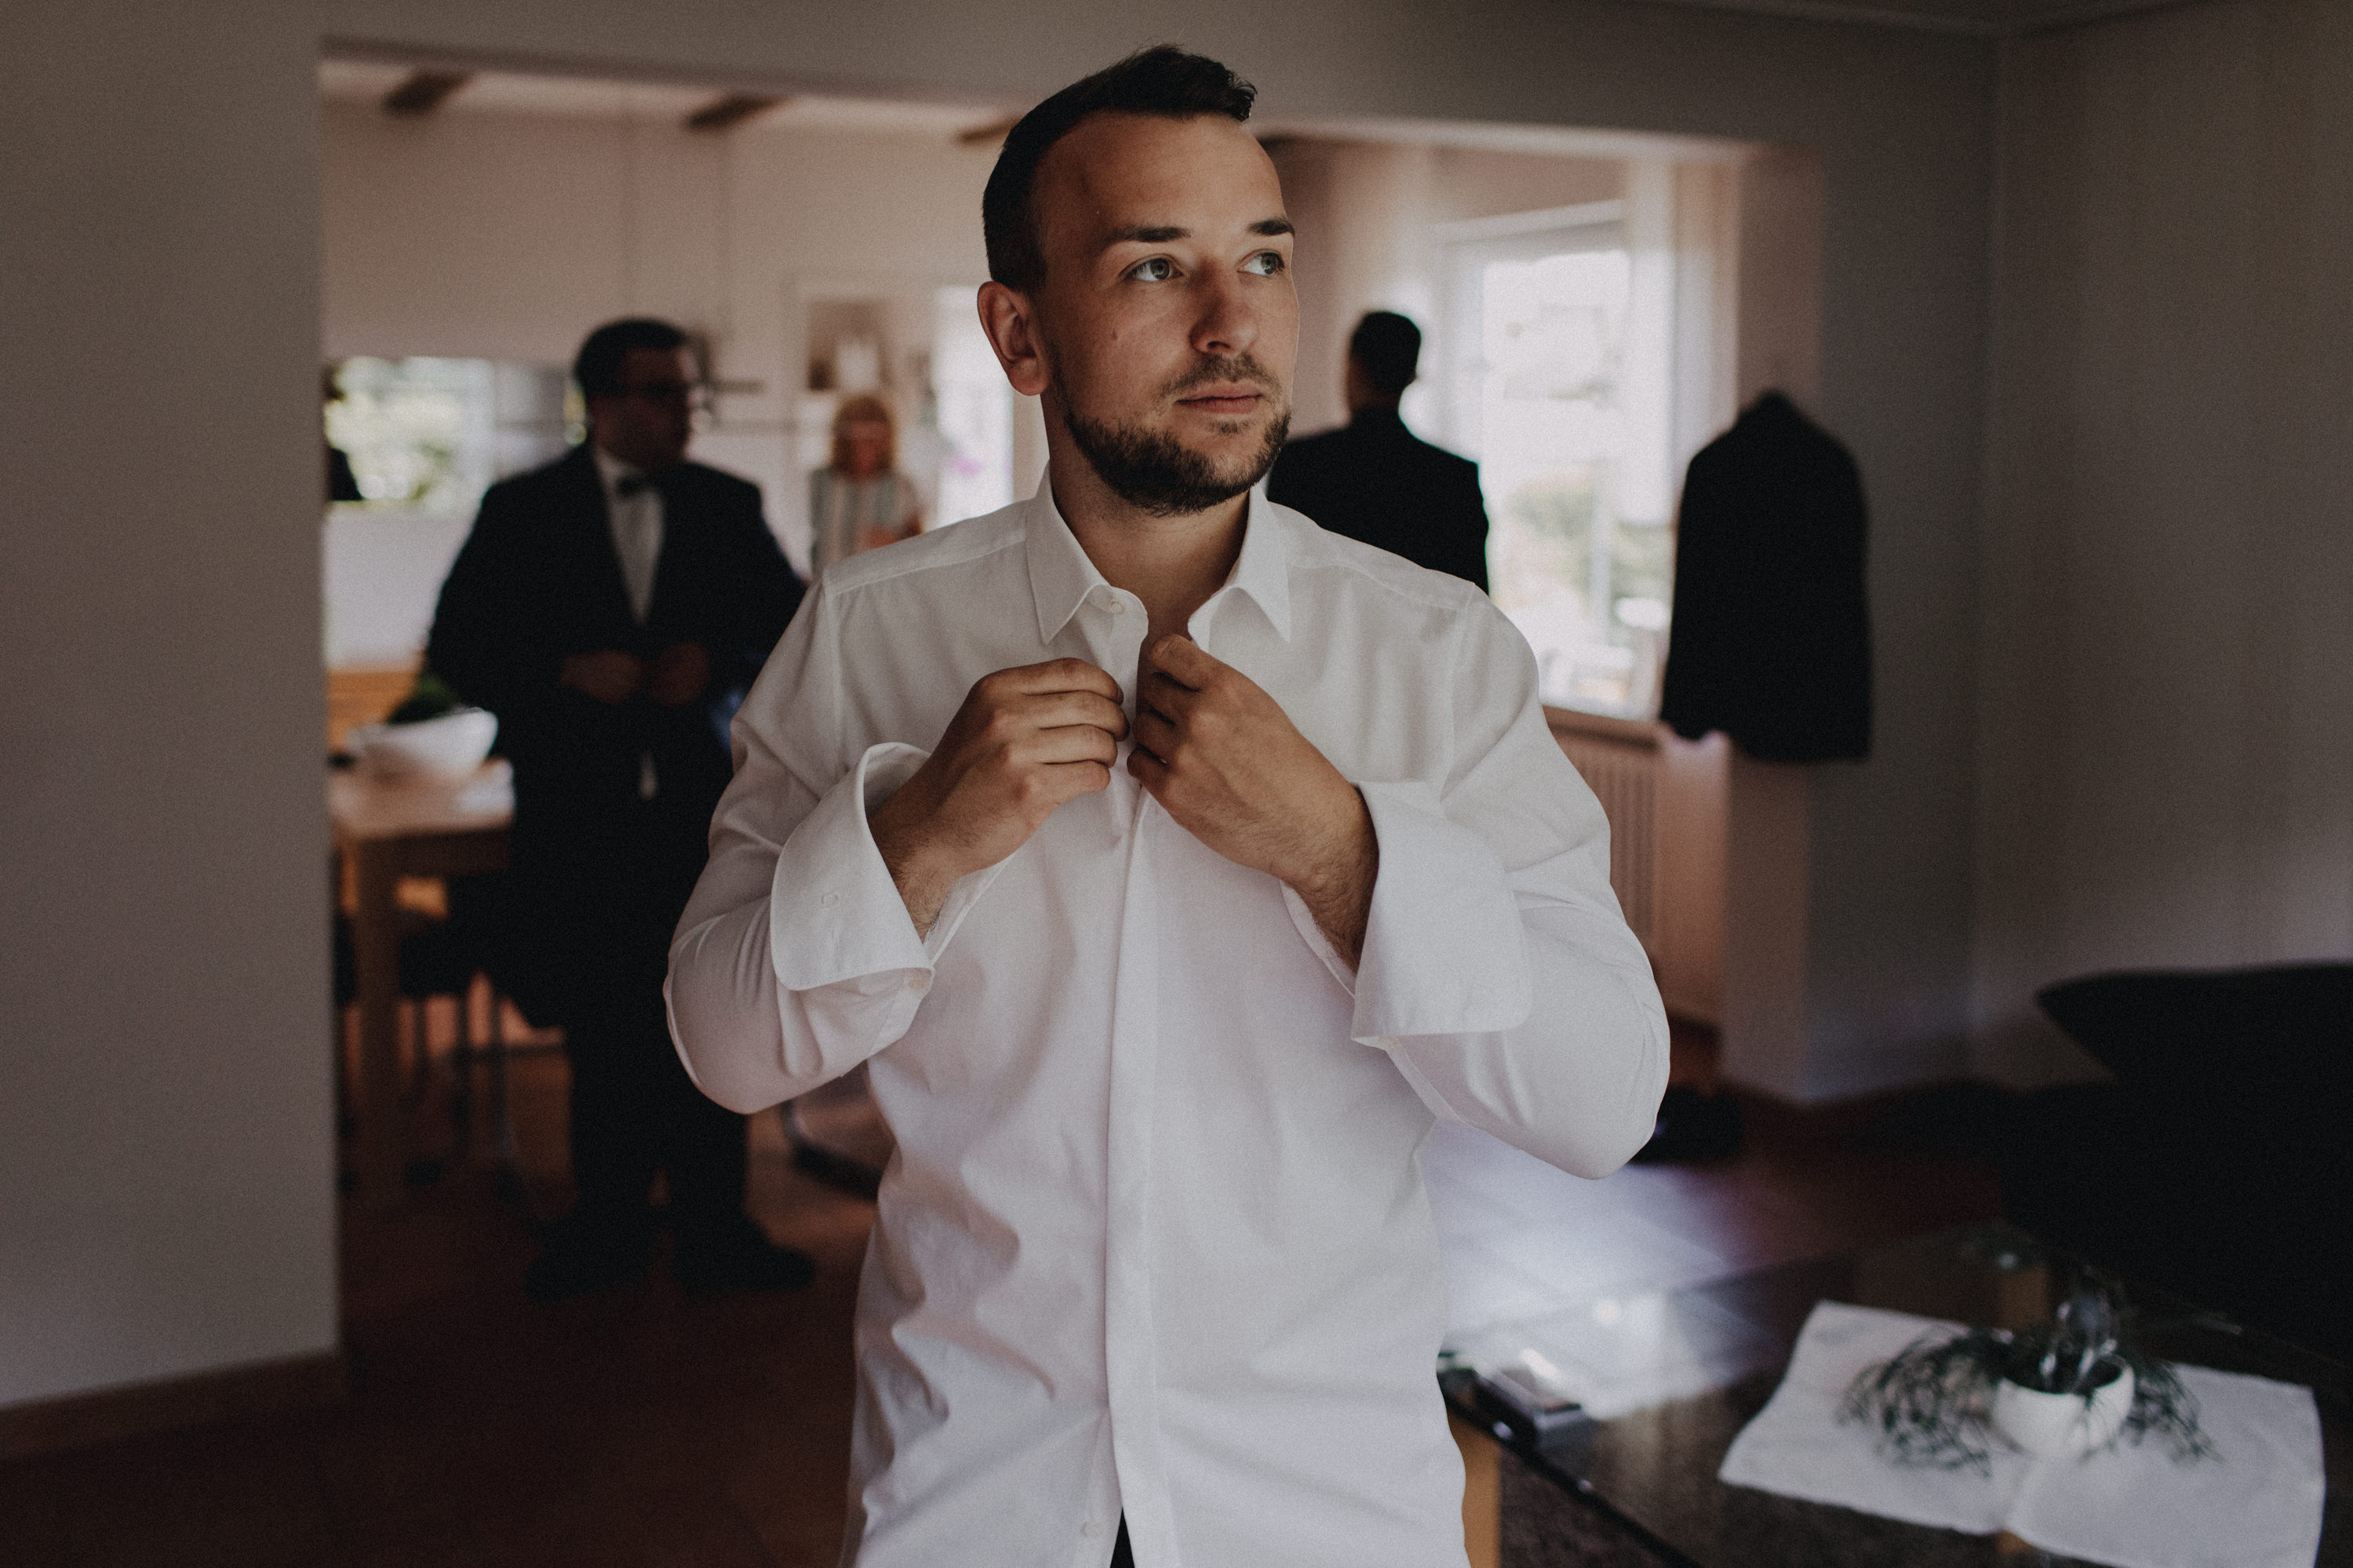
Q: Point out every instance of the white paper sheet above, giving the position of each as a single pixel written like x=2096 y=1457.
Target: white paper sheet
x=2257 y=1505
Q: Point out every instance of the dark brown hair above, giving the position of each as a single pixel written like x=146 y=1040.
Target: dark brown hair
x=1387 y=347
x=597 y=368
x=1163 y=80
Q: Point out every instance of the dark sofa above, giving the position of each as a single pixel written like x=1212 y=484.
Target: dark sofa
x=2219 y=1163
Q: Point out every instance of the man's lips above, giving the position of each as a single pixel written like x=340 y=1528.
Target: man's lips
x=1225 y=397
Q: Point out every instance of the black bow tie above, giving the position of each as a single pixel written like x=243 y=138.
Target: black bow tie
x=628 y=485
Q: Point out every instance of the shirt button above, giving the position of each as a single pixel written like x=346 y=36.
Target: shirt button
x=1091 y=1530
x=919 y=982
x=831 y=899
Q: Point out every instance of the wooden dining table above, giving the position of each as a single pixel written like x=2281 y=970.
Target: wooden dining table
x=386 y=830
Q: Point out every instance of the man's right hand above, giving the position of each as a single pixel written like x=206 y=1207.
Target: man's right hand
x=608 y=676
x=1025 y=740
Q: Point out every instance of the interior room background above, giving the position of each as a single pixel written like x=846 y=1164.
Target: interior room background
x=2083 y=322
x=1596 y=306
x=1578 y=291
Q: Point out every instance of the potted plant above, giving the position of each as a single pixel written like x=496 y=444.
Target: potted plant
x=2069 y=1387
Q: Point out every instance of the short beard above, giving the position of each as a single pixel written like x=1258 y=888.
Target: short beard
x=1151 y=471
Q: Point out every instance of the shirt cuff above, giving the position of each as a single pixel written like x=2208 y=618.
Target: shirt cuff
x=834 y=914
x=1445 y=953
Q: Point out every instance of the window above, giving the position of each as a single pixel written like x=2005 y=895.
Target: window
x=975 y=407
x=430 y=434
x=1557 y=377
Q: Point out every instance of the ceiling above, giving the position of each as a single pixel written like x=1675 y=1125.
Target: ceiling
x=360 y=80
x=368 y=82
x=1989 y=18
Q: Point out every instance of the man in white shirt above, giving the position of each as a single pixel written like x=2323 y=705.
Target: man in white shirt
x=1171 y=864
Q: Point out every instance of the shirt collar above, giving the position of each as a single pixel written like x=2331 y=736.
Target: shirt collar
x=611 y=472
x=1062 y=575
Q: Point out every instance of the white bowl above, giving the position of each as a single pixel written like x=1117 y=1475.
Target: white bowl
x=2062 y=1426
x=450 y=747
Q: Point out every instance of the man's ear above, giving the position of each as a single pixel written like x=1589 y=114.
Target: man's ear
x=1012 y=324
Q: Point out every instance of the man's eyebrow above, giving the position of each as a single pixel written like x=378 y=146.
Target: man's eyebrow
x=1146 y=234
x=1161 y=233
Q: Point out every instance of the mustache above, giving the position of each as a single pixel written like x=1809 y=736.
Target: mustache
x=1221 y=368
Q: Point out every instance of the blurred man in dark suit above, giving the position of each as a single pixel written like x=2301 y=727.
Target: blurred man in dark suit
x=612 y=609
x=1373 y=479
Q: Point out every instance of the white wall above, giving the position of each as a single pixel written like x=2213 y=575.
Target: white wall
x=2167 y=769
x=381 y=581
x=507 y=236
x=166 y=1150
x=164 y=1137
x=1368 y=213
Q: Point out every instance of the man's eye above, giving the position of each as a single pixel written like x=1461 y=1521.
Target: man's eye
x=1152 y=269
x=1265 y=264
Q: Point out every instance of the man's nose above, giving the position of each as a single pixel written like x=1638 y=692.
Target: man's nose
x=1226 y=324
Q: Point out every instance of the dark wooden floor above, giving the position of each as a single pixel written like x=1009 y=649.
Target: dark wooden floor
x=645 y=1428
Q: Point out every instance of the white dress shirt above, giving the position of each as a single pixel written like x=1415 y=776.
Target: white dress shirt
x=635 y=519
x=1154 y=1239
x=636 y=522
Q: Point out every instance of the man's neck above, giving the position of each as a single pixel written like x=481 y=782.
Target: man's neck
x=1172 y=563
x=631 y=464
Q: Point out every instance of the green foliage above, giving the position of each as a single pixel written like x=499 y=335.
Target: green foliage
x=436 y=465
x=1932 y=1402
x=1559 y=513
x=1641 y=562
x=430 y=698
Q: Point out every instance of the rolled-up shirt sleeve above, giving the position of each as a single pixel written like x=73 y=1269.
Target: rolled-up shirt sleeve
x=1497 y=970
x=796 y=959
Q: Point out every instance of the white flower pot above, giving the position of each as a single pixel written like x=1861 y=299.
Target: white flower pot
x=449 y=748
x=2062 y=1426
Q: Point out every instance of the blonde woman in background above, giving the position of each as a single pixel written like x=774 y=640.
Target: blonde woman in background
x=859 y=500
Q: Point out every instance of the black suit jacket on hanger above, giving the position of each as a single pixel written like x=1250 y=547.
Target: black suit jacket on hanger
x=596 y=868
x=1771 y=637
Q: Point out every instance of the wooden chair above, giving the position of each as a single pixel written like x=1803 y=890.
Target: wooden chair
x=438 y=960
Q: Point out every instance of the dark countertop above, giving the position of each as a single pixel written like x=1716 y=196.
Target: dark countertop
x=1648 y=1479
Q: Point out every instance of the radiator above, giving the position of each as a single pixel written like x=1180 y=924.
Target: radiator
x=1624 y=776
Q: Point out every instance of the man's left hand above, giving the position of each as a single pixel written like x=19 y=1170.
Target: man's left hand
x=679 y=674
x=1228 y=763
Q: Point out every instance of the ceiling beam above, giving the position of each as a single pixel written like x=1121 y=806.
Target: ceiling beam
x=422 y=92
x=728 y=112
x=1976 y=18
x=987 y=135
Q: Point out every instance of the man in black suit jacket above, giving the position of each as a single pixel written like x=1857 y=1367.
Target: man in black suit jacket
x=1373 y=480
x=612 y=609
